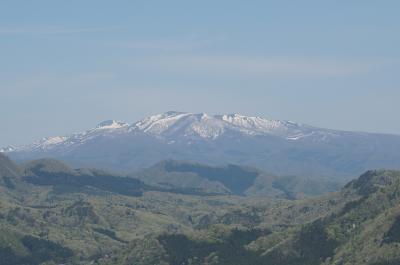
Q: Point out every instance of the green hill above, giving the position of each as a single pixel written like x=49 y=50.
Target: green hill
x=232 y=179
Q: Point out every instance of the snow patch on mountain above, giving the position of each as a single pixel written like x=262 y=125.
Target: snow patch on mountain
x=111 y=124
x=159 y=123
x=53 y=140
x=7 y=149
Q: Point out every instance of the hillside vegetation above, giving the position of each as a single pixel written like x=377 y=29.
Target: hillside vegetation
x=52 y=214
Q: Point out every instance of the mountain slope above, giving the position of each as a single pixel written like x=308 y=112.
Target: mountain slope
x=223 y=180
x=10 y=173
x=49 y=172
x=279 y=147
x=363 y=232
x=363 y=229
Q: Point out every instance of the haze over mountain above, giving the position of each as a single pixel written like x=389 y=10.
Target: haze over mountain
x=279 y=147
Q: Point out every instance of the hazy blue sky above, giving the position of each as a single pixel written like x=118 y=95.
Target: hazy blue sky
x=67 y=65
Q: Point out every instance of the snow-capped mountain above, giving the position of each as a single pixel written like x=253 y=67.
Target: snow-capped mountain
x=108 y=127
x=188 y=125
x=281 y=147
x=180 y=127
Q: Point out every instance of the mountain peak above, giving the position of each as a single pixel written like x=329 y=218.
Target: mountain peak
x=158 y=123
x=180 y=125
x=111 y=124
x=372 y=180
x=174 y=112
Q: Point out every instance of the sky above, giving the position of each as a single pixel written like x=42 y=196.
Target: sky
x=65 y=66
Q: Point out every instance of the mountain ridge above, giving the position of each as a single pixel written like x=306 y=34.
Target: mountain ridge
x=279 y=147
x=161 y=123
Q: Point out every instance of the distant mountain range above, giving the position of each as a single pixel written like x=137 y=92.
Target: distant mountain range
x=279 y=147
